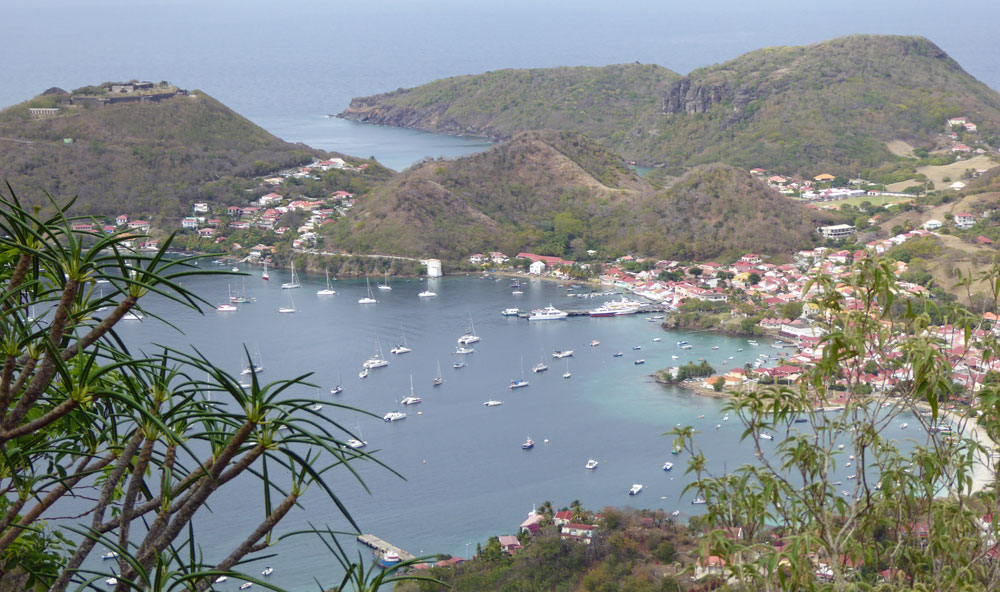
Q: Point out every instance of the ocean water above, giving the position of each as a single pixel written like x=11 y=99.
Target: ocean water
x=286 y=67
x=464 y=474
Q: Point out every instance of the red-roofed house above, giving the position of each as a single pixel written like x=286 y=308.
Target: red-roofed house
x=564 y=517
x=961 y=148
x=509 y=543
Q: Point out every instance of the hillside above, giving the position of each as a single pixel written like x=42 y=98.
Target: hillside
x=560 y=193
x=151 y=157
x=602 y=101
x=832 y=105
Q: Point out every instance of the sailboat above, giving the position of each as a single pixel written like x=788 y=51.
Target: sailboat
x=291 y=307
x=567 y=374
x=225 y=307
x=328 y=291
x=470 y=336
x=519 y=383
x=358 y=442
x=370 y=298
x=386 y=285
x=237 y=299
x=257 y=368
x=438 y=379
x=412 y=399
x=337 y=389
x=377 y=360
x=540 y=366
x=263 y=274
x=294 y=283
x=401 y=349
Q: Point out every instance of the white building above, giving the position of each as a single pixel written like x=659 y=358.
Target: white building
x=836 y=231
x=537 y=268
x=932 y=225
x=433 y=267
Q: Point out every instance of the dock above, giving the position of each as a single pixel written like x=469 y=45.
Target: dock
x=382 y=547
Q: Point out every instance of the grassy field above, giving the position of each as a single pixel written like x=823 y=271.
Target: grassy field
x=952 y=171
x=856 y=201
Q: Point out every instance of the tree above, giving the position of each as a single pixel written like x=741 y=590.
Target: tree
x=147 y=439
x=718 y=384
x=894 y=514
x=753 y=279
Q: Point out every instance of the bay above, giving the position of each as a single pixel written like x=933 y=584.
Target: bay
x=466 y=476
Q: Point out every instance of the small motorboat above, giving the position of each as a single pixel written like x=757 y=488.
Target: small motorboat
x=636 y=347
x=493 y=403
x=111 y=581
x=110 y=555
x=668 y=465
x=698 y=501
x=562 y=353
x=363 y=373
x=636 y=488
x=676 y=357
x=267 y=571
x=675 y=513
x=458 y=364
x=676 y=450
x=528 y=444
x=315 y=407
x=657 y=339
x=618 y=354
x=245 y=586
x=903 y=426
x=221 y=579
x=539 y=367
x=337 y=389
x=766 y=436
x=639 y=361
x=595 y=343
x=591 y=464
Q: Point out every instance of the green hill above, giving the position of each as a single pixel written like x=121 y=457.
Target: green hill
x=831 y=105
x=604 y=102
x=151 y=157
x=561 y=193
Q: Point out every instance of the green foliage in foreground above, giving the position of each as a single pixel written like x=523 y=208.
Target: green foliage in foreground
x=139 y=441
x=914 y=513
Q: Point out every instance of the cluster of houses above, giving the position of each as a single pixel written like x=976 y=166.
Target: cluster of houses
x=268 y=210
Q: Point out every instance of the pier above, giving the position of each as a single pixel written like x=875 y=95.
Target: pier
x=382 y=547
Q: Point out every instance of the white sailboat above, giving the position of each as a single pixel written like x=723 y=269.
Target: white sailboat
x=377 y=360
x=294 y=282
x=470 y=336
x=386 y=285
x=328 y=291
x=412 y=399
x=567 y=374
x=290 y=308
x=401 y=349
x=438 y=379
x=263 y=274
x=358 y=442
x=370 y=298
x=338 y=388
x=519 y=383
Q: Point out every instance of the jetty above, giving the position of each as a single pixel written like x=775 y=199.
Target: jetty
x=382 y=547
